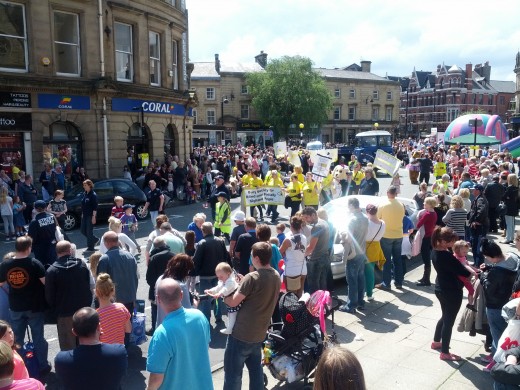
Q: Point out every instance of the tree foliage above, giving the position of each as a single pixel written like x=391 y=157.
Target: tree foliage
x=289 y=92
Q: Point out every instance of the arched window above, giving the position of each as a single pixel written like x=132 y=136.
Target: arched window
x=171 y=136
x=137 y=144
x=62 y=144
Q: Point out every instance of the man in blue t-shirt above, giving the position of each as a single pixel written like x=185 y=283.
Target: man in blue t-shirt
x=178 y=355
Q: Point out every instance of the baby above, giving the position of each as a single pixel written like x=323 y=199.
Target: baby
x=226 y=286
x=460 y=251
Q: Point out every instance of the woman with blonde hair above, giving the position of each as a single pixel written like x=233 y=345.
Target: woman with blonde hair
x=6 y=209
x=510 y=199
x=456 y=216
x=125 y=242
x=465 y=195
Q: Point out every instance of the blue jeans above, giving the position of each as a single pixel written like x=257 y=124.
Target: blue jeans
x=497 y=325
x=356 y=281
x=87 y=229
x=237 y=353
x=317 y=274
x=392 y=251
x=503 y=386
x=19 y=322
x=510 y=227
x=476 y=236
x=205 y=304
x=153 y=216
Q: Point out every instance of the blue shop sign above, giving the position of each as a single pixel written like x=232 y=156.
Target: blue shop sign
x=148 y=106
x=63 y=102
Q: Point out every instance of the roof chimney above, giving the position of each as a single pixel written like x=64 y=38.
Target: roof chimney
x=469 y=77
x=217 y=63
x=261 y=59
x=365 y=66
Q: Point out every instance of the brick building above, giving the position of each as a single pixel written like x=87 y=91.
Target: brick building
x=98 y=84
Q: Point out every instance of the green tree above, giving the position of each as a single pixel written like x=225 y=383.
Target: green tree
x=290 y=92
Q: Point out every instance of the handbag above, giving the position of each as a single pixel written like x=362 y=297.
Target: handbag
x=510 y=338
x=287 y=202
x=293 y=283
x=138 y=335
x=28 y=354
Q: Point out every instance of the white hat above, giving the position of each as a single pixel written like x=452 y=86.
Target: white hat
x=239 y=216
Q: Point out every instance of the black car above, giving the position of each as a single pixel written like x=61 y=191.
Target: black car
x=106 y=190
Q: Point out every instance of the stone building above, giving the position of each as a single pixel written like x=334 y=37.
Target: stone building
x=434 y=99
x=515 y=118
x=99 y=84
x=224 y=113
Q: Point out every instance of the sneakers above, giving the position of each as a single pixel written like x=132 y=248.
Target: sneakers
x=383 y=286
x=346 y=309
x=226 y=331
x=369 y=299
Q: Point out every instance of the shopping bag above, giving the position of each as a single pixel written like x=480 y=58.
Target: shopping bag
x=510 y=338
x=28 y=354
x=138 y=335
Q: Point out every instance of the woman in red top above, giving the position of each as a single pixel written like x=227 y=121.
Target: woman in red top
x=427 y=219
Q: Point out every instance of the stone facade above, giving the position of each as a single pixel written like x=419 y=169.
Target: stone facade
x=80 y=85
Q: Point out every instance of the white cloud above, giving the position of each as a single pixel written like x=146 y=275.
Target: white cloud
x=395 y=35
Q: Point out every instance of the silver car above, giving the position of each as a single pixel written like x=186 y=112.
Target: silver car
x=337 y=211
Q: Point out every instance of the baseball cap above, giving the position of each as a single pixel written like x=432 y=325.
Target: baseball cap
x=222 y=193
x=128 y=206
x=40 y=204
x=219 y=177
x=239 y=216
x=479 y=187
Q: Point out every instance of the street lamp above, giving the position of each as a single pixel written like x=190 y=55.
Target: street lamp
x=225 y=100
x=301 y=126
x=475 y=123
x=376 y=125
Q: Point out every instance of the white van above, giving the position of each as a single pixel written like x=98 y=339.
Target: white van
x=314 y=145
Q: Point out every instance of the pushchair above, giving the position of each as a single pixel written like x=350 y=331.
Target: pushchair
x=293 y=347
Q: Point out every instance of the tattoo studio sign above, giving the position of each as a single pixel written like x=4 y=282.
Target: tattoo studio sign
x=263 y=195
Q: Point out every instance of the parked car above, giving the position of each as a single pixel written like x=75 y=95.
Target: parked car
x=337 y=210
x=106 y=190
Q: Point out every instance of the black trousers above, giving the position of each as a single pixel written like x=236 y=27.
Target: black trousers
x=426 y=254
x=493 y=219
x=450 y=301
x=424 y=176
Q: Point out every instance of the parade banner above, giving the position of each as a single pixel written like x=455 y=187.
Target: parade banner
x=321 y=167
x=386 y=162
x=294 y=158
x=263 y=195
x=280 y=149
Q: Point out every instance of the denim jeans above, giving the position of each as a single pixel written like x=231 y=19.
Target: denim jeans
x=392 y=251
x=503 y=386
x=237 y=353
x=153 y=216
x=205 y=304
x=476 y=236
x=510 y=227
x=19 y=322
x=87 y=229
x=497 y=325
x=356 y=281
x=317 y=274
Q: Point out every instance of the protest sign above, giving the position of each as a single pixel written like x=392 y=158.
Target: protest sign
x=263 y=195
x=321 y=167
x=294 y=158
x=280 y=149
x=386 y=162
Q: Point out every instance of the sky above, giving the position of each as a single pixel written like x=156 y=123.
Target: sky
x=396 y=35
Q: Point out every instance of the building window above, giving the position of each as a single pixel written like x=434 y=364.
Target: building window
x=124 y=52
x=375 y=113
x=375 y=95
x=244 y=111
x=66 y=43
x=154 y=43
x=244 y=89
x=175 y=65
x=194 y=113
x=338 y=136
x=352 y=94
x=13 y=38
x=388 y=115
x=337 y=113
x=501 y=100
x=480 y=99
x=337 y=93
x=210 y=93
x=490 y=100
x=352 y=113
x=388 y=95
x=210 y=116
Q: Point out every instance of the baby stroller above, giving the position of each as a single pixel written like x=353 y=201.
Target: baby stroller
x=293 y=348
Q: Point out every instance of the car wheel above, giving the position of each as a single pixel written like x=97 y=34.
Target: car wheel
x=71 y=221
x=140 y=212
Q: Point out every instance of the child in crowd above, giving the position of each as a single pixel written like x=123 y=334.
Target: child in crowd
x=460 y=251
x=226 y=286
x=396 y=182
x=280 y=229
x=18 y=219
x=114 y=317
x=456 y=178
x=129 y=222
x=117 y=210
x=7 y=335
x=274 y=241
x=191 y=195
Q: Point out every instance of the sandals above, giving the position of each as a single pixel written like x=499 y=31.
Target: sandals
x=450 y=357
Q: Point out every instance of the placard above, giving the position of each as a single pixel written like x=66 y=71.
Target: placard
x=386 y=162
x=321 y=167
x=263 y=195
x=294 y=158
x=280 y=149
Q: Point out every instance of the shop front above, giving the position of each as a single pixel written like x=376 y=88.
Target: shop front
x=254 y=133
x=206 y=135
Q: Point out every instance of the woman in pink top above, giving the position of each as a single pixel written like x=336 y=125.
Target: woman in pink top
x=114 y=318
x=7 y=335
x=427 y=220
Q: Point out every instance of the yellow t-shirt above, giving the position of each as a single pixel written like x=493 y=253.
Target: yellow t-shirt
x=326 y=183
x=439 y=169
x=256 y=182
x=294 y=189
x=301 y=178
x=392 y=212
x=245 y=179
x=311 y=195
x=274 y=182
x=357 y=177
